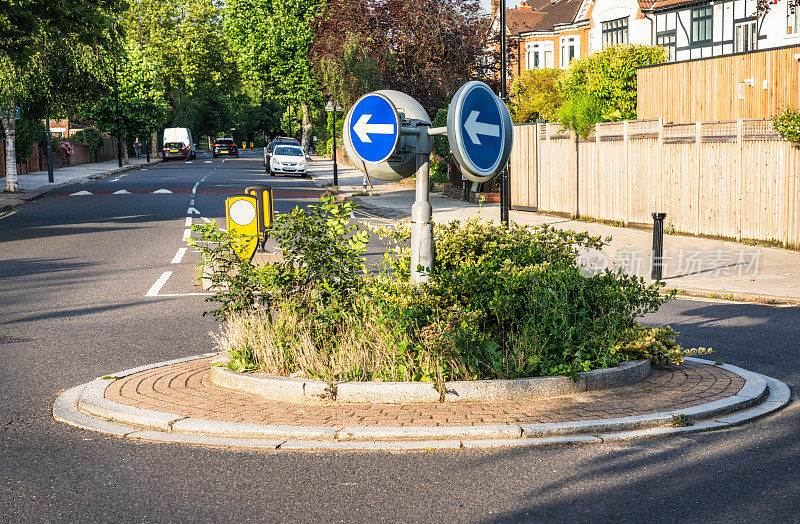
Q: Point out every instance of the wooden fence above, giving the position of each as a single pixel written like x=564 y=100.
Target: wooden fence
x=732 y=179
x=756 y=84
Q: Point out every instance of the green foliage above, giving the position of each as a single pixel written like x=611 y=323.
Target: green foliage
x=438 y=172
x=91 y=137
x=320 y=270
x=580 y=113
x=29 y=130
x=602 y=86
x=271 y=40
x=535 y=94
x=350 y=73
x=502 y=302
x=787 y=124
x=441 y=147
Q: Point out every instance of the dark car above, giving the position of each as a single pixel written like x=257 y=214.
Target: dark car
x=278 y=141
x=225 y=146
x=175 y=150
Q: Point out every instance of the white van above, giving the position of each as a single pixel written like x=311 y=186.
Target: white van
x=182 y=135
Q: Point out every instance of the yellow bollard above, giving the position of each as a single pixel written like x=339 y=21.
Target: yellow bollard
x=242 y=218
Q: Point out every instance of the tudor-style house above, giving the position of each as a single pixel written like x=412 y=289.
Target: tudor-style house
x=705 y=29
x=551 y=33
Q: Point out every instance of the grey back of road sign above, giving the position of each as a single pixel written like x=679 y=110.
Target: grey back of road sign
x=401 y=162
x=480 y=131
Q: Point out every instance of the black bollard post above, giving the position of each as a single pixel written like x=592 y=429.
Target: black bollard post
x=658 y=245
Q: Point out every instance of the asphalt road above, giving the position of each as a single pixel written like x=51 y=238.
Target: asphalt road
x=74 y=272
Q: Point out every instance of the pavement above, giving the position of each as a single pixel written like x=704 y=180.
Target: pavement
x=34 y=185
x=692 y=265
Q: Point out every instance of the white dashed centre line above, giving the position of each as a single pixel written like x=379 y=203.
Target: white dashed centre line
x=179 y=255
x=156 y=287
x=188 y=222
x=186 y=234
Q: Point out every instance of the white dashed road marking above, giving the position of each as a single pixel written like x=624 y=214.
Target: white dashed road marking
x=179 y=256
x=156 y=287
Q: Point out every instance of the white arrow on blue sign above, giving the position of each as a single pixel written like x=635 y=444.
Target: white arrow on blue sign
x=479 y=131
x=374 y=127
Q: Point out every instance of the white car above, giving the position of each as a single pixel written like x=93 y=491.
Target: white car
x=288 y=159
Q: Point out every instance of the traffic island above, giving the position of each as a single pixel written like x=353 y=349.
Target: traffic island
x=177 y=402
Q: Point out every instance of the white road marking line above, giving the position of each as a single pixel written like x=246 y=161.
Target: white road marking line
x=156 y=287
x=188 y=222
x=122 y=192
x=81 y=193
x=187 y=233
x=185 y=294
x=191 y=202
x=179 y=256
x=206 y=220
x=192 y=211
x=162 y=192
x=732 y=302
x=115 y=180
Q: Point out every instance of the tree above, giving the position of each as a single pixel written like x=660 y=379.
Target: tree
x=426 y=48
x=29 y=30
x=142 y=106
x=535 y=94
x=272 y=40
x=602 y=86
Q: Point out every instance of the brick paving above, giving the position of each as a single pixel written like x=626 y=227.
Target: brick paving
x=183 y=389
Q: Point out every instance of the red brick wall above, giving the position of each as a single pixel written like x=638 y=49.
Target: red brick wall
x=30 y=164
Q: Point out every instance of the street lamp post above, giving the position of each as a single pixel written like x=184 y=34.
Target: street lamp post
x=504 y=189
x=116 y=98
x=49 y=146
x=334 y=107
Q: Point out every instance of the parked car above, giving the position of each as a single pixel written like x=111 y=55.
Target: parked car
x=175 y=150
x=181 y=135
x=281 y=140
x=225 y=146
x=288 y=159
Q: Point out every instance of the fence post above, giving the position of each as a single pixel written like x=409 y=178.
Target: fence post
x=698 y=131
x=739 y=179
x=626 y=163
x=577 y=175
x=536 y=164
x=660 y=200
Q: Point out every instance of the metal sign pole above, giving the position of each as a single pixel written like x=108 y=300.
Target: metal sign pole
x=421 y=212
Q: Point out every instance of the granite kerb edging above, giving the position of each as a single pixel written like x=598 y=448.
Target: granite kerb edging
x=79 y=406
x=301 y=390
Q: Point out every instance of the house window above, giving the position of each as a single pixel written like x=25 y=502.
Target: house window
x=793 y=19
x=539 y=55
x=746 y=37
x=702 y=24
x=570 y=49
x=615 y=32
x=667 y=40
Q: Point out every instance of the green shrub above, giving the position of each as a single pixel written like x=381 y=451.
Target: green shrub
x=602 y=87
x=502 y=302
x=787 y=124
x=91 y=137
x=535 y=94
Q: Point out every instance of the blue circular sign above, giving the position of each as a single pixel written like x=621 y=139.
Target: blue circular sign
x=374 y=128
x=479 y=131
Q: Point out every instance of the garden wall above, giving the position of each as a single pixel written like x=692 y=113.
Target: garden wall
x=735 y=179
